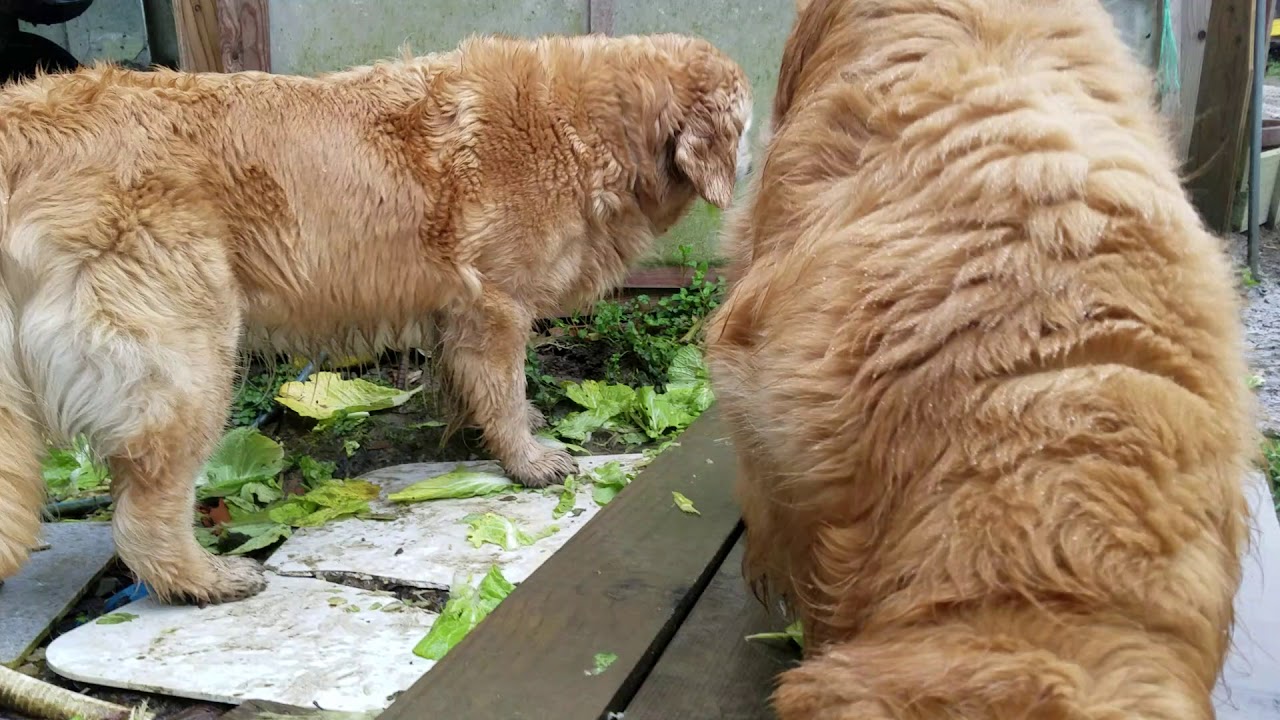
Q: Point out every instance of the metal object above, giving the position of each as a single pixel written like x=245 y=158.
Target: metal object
x=1260 y=45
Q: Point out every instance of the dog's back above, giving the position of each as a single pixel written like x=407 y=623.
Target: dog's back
x=984 y=372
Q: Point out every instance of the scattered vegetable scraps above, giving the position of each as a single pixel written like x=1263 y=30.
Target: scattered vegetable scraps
x=467 y=606
x=116 y=618
x=794 y=633
x=684 y=503
x=568 y=498
x=608 y=479
x=602 y=663
x=497 y=530
x=458 y=483
x=326 y=394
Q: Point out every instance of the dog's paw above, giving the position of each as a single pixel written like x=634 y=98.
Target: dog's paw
x=545 y=467
x=537 y=420
x=232 y=578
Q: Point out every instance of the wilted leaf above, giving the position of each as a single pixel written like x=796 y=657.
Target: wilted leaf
x=606 y=408
x=116 y=618
x=684 y=503
x=467 y=606
x=458 y=483
x=325 y=394
x=497 y=530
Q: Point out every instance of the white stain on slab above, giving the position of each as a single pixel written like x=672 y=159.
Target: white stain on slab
x=297 y=642
x=426 y=545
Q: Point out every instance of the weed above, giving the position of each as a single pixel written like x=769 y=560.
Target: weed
x=541 y=388
x=256 y=395
x=640 y=337
x=1247 y=278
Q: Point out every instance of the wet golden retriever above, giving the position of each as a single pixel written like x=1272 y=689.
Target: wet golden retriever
x=148 y=221
x=983 y=370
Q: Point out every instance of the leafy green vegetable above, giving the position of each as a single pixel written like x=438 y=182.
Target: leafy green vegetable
x=684 y=503
x=325 y=393
x=568 y=498
x=327 y=501
x=687 y=369
x=608 y=481
x=606 y=406
x=602 y=662
x=467 y=606
x=116 y=618
x=74 y=471
x=794 y=633
x=243 y=469
x=259 y=535
x=315 y=472
x=458 y=483
x=497 y=530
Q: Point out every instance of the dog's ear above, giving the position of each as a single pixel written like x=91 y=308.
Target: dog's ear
x=707 y=150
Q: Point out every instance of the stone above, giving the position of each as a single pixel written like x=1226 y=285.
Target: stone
x=50 y=584
x=425 y=545
x=298 y=642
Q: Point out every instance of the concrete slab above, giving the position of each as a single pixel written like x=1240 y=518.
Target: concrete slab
x=298 y=643
x=426 y=544
x=50 y=584
x=1250 y=685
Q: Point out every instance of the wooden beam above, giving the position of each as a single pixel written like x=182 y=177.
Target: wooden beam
x=1217 y=140
x=622 y=585
x=245 y=30
x=1191 y=30
x=709 y=670
x=197 y=25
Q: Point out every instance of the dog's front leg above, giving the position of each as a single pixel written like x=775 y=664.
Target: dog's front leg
x=483 y=349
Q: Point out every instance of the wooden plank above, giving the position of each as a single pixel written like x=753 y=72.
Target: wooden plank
x=622 y=585
x=709 y=670
x=245 y=31
x=1217 y=140
x=1191 y=29
x=198 y=46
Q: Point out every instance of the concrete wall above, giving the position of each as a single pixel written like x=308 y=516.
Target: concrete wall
x=114 y=30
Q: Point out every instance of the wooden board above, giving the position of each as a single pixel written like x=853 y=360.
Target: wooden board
x=1217 y=140
x=1191 y=31
x=245 y=33
x=622 y=585
x=709 y=670
x=198 y=45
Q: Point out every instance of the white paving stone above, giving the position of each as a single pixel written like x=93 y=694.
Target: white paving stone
x=1250 y=684
x=290 y=644
x=426 y=544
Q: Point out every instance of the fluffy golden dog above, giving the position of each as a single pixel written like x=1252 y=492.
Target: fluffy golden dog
x=983 y=370
x=148 y=221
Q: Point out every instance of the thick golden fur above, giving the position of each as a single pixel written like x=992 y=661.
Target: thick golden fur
x=148 y=221
x=983 y=369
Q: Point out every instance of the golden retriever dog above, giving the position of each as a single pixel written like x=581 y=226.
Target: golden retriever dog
x=984 y=372
x=153 y=225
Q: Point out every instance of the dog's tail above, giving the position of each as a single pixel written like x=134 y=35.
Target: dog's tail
x=21 y=486
x=957 y=673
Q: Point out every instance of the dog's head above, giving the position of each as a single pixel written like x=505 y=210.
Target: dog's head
x=712 y=149
x=703 y=105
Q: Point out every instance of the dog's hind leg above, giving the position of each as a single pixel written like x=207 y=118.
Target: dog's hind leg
x=130 y=338
x=483 y=352
x=21 y=487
